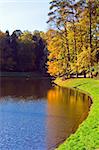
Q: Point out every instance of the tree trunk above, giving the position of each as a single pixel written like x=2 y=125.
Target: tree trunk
x=84 y=74
x=76 y=74
x=90 y=34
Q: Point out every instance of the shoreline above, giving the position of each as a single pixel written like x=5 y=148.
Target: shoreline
x=24 y=74
x=86 y=136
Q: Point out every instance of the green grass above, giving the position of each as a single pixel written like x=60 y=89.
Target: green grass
x=87 y=135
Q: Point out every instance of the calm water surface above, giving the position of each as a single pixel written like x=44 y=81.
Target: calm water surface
x=36 y=116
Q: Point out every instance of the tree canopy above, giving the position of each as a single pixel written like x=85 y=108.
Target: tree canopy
x=74 y=49
x=22 y=51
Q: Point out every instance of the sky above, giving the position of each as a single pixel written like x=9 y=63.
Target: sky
x=24 y=15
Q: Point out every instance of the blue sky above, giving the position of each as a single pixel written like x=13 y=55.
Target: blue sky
x=24 y=14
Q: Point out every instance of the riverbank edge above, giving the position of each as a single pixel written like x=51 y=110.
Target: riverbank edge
x=23 y=74
x=87 y=135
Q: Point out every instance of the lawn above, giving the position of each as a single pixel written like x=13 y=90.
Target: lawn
x=87 y=135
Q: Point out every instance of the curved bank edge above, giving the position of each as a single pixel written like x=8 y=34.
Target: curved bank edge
x=87 y=135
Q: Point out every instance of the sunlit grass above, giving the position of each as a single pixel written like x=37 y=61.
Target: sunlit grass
x=87 y=135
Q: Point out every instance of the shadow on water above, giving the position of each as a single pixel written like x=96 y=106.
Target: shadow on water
x=25 y=87
x=36 y=116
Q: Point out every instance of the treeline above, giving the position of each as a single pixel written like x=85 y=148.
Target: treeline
x=69 y=47
x=22 y=52
x=73 y=38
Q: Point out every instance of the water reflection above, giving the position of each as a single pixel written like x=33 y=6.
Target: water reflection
x=24 y=88
x=36 y=116
x=66 y=109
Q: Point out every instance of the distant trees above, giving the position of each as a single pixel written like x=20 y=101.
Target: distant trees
x=22 y=51
x=6 y=53
x=74 y=48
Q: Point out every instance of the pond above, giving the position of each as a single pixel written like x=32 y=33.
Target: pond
x=36 y=116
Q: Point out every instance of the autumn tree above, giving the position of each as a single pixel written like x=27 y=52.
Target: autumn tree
x=59 y=16
x=77 y=23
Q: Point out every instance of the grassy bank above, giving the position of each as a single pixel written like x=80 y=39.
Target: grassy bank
x=87 y=135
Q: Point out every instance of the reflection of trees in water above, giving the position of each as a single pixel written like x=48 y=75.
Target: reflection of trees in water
x=67 y=108
x=73 y=99
x=21 y=87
